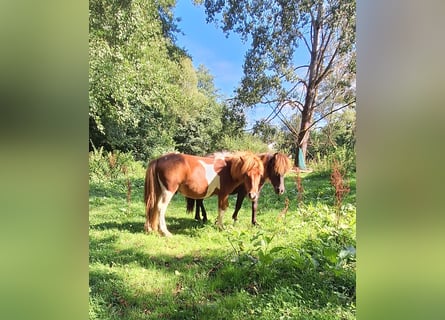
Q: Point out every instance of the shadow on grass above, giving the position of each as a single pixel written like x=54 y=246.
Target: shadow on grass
x=106 y=190
x=183 y=226
x=112 y=295
x=117 y=189
x=130 y=226
x=112 y=298
x=211 y=285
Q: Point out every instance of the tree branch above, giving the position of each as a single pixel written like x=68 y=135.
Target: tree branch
x=328 y=68
x=307 y=44
x=329 y=113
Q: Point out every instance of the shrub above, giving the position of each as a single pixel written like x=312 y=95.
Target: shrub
x=110 y=165
x=342 y=155
x=243 y=143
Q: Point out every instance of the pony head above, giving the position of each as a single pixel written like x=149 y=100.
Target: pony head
x=277 y=166
x=249 y=168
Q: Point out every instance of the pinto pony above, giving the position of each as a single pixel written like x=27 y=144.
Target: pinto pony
x=275 y=167
x=197 y=178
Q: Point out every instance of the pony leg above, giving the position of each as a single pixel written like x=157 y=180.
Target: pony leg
x=254 y=209
x=162 y=208
x=223 y=203
x=239 y=201
x=219 y=221
x=147 y=226
x=190 y=205
x=197 y=202
x=203 y=210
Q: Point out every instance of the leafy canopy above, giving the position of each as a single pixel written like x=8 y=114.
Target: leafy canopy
x=145 y=95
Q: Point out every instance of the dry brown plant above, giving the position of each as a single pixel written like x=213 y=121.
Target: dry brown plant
x=340 y=186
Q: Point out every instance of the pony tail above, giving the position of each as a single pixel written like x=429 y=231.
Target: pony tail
x=190 y=204
x=150 y=187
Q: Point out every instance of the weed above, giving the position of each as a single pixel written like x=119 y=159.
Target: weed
x=340 y=187
x=283 y=212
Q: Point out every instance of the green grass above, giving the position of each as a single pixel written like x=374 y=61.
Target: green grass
x=298 y=267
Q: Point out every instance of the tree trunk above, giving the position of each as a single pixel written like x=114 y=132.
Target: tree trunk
x=306 y=122
x=303 y=135
x=312 y=86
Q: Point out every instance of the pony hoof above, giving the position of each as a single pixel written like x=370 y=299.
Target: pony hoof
x=167 y=234
x=220 y=227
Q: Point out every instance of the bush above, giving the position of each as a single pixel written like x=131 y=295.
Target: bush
x=245 y=142
x=344 y=156
x=107 y=166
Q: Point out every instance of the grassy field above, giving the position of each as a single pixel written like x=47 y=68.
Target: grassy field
x=298 y=264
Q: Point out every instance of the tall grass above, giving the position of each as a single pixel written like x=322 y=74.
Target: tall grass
x=245 y=142
x=342 y=155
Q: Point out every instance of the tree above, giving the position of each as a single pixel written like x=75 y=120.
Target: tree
x=265 y=131
x=134 y=76
x=145 y=95
x=338 y=132
x=274 y=73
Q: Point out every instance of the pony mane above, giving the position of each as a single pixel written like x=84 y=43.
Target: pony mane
x=220 y=155
x=243 y=162
x=282 y=164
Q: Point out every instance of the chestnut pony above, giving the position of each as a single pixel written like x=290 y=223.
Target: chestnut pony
x=197 y=178
x=275 y=167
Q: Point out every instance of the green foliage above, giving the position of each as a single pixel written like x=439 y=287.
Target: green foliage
x=132 y=76
x=108 y=166
x=198 y=133
x=323 y=163
x=335 y=141
x=323 y=32
x=145 y=95
x=233 y=120
x=265 y=131
x=253 y=250
x=243 y=143
x=205 y=82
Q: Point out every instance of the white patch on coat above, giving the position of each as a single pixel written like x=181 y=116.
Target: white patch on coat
x=162 y=205
x=219 y=220
x=213 y=181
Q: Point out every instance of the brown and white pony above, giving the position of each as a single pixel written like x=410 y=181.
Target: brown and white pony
x=197 y=178
x=275 y=167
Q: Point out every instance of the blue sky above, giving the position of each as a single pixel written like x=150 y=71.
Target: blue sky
x=208 y=45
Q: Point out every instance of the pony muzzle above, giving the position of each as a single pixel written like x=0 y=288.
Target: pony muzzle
x=279 y=190
x=253 y=196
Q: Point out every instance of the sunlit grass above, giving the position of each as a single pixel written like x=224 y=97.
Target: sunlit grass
x=298 y=266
